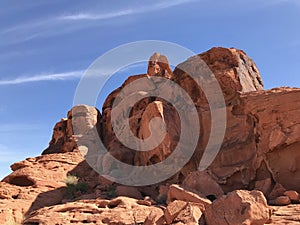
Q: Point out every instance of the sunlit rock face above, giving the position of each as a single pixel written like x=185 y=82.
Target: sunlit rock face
x=259 y=152
x=262 y=126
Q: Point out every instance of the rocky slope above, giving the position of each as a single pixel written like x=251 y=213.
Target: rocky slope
x=256 y=165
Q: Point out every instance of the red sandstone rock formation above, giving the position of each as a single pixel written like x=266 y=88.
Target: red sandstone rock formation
x=260 y=151
x=262 y=126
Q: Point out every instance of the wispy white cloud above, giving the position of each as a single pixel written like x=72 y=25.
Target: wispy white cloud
x=89 y=16
x=125 y=12
x=61 y=24
x=168 y=4
x=34 y=29
x=43 y=77
x=72 y=75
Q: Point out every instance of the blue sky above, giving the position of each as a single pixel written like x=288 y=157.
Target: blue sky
x=45 y=46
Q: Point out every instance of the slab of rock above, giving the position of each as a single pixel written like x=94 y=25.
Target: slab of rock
x=155 y=218
x=121 y=210
x=191 y=214
x=239 y=207
x=178 y=193
x=277 y=132
x=282 y=200
x=173 y=209
x=293 y=195
x=286 y=215
x=183 y=212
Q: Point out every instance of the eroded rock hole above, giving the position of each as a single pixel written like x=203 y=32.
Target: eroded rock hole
x=211 y=197
x=22 y=181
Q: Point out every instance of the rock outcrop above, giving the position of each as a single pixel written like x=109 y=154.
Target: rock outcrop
x=259 y=152
x=158 y=65
x=96 y=211
x=38 y=182
x=62 y=138
x=261 y=135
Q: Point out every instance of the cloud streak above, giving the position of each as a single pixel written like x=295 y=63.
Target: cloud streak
x=65 y=23
x=88 y=16
x=73 y=75
x=126 y=12
x=44 y=77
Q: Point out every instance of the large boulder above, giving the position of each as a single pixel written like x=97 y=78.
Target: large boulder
x=239 y=207
x=235 y=72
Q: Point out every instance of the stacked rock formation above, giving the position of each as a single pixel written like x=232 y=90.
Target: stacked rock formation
x=256 y=164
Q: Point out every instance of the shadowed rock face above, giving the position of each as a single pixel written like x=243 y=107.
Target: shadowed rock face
x=65 y=133
x=62 y=138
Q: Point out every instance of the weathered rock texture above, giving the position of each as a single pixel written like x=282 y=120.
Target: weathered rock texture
x=121 y=210
x=38 y=182
x=262 y=133
x=62 y=138
x=286 y=215
x=239 y=207
x=260 y=151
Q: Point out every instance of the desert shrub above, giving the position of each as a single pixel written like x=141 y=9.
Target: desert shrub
x=71 y=180
x=74 y=187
